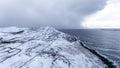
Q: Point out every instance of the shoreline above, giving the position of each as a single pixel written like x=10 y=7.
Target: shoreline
x=105 y=60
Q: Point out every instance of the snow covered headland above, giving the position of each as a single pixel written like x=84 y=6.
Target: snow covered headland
x=43 y=48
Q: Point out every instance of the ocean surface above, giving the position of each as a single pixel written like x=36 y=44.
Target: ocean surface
x=105 y=41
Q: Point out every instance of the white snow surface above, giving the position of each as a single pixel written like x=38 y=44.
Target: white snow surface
x=45 y=47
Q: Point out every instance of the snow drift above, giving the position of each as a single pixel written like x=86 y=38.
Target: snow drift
x=43 y=48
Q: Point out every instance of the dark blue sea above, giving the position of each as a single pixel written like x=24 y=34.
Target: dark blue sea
x=105 y=41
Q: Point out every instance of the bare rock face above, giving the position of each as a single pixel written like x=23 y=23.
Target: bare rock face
x=43 y=48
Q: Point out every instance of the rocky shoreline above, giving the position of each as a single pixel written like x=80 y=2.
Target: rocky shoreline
x=105 y=60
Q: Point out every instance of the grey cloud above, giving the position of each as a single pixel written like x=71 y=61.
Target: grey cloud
x=56 y=13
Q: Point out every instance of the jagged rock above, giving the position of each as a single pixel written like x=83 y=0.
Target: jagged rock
x=43 y=48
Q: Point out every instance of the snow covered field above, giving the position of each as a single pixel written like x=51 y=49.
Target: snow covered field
x=43 y=48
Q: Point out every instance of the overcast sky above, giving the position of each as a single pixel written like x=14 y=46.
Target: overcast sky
x=109 y=17
x=59 y=13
